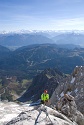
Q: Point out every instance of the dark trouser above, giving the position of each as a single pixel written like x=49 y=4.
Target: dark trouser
x=43 y=102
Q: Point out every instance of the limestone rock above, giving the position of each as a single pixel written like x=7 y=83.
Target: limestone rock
x=29 y=118
x=72 y=85
x=68 y=107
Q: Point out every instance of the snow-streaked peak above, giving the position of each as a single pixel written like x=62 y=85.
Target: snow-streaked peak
x=43 y=31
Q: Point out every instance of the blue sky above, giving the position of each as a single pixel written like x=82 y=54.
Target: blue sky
x=41 y=15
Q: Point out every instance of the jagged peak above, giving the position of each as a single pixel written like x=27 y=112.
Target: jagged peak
x=74 y=85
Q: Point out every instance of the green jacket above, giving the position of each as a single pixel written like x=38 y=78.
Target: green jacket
x=44 y=97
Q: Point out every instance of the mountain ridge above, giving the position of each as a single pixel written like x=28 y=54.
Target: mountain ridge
x=31 y=60
x=16 y=40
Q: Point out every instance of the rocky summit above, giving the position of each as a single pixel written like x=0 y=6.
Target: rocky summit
x=14 y=114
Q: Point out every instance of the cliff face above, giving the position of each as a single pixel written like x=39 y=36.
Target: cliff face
x=73 y=85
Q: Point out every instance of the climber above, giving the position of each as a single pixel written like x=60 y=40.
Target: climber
x=44 y=101
x=45 y=97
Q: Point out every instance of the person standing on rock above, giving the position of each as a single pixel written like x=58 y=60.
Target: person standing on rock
x=45 y=97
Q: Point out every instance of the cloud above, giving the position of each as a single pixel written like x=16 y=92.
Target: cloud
x=73 y=23
x=30 y=22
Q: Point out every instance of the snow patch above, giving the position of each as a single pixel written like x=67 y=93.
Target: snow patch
x=81 y=74
x=62 y=94
x=69 y=93
x=73 y=79
x=76 y=90
x=81 y=89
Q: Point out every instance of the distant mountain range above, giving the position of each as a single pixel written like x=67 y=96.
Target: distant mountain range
x=70 y=38
x=34 y=51
x=14 y=41
x=24 y=38
x=30 y=60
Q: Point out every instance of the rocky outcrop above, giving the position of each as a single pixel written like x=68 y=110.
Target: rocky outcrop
x=72 y=85
x=68 y=107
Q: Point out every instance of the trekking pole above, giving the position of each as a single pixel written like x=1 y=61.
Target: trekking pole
x=36 y=121
x=45 y=110
x=40 y=111
x=47 y=115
